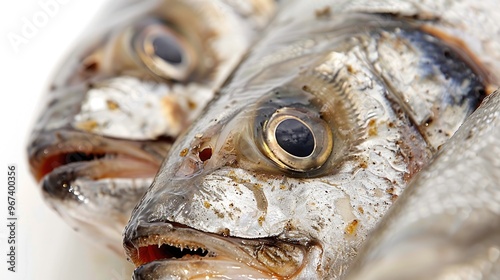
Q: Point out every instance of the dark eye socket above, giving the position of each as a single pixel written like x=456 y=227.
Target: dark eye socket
x=164 y=51
x=295 y=137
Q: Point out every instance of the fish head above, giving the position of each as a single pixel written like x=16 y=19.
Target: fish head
x=141 y=75
x=288 y=170
x=273 y=188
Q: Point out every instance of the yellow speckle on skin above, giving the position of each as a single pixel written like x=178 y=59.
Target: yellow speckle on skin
x=184 y=152
x=226 y=232
x=207 y=204
x=372 y=128
x=350 y=69
x=89 y=125
x=283 y=187
x=323 y=12
x=112 y=105
x=191 y=104
x=351 y=228
x=361 y=210
x=261 y=220
x=392 y=191
x=363 y=165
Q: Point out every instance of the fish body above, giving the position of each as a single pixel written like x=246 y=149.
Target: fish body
x=141 y=75
x=317 y=133
x=447 y=223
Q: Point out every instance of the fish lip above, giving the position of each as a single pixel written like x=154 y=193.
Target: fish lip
x=101 y=157
x=196 y=269
x=249 y=253
x=60 y=183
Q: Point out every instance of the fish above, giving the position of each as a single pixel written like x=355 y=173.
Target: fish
x=446 y=225
x=314 y=137
x=133 y=83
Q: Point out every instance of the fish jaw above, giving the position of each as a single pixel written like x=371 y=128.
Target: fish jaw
x=99 y=208
x=93 y=182
x=162 y=250
x=245 y=205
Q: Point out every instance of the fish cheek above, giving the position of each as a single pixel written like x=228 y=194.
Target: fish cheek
x=355 y=108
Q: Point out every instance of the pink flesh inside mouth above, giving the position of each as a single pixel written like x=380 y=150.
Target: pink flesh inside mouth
x=113 y=160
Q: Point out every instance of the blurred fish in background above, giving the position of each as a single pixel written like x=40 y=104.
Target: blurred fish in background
x=141 y=74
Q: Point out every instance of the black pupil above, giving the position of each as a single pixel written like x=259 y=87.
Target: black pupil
x=295 y=138
x=167 y=49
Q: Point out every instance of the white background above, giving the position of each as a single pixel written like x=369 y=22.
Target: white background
x=47 y=248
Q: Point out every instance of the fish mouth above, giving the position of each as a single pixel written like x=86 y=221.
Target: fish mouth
x=60 y=157
x=167 y=249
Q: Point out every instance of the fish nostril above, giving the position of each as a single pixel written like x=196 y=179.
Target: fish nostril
x=205 y=154
x=90 y=65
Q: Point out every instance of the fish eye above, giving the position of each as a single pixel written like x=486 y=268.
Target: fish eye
x=164 y=51
x=296 y=139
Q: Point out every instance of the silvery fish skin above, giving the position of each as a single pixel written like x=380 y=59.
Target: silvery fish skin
x=315 y=136
x=447 y=223
x=141 y=75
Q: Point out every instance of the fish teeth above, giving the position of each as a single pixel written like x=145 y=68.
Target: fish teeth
x=160 y=241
